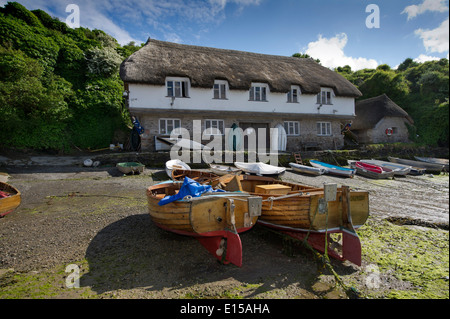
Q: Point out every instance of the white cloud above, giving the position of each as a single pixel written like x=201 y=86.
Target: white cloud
x=424 y=58
x=436 y=40
x=427 y=5
x=331 y=54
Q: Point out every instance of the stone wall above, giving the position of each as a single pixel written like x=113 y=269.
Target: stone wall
x=308 y=128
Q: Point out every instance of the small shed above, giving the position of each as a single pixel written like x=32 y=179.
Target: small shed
x=380 y=120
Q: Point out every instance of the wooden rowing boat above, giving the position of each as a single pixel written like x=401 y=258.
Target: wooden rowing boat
x=260 y=169
x=433 y=160
x=215 y=219
x=176 y=163
x=371 y=170
x=202 y=177
x=300 y=210
x=316 y=171
x=333 y=169
x=399 y=169
x=10 y=199
x=429 y=167
x=223 y=169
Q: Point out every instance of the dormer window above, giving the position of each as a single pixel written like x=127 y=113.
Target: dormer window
x=325 y=96
x=177 y=87
x=220 y=90
x=258 y=92
x=292 y=96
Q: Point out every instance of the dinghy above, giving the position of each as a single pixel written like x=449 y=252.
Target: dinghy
x=176 y=163
x=307 y=169
x=214 y=218
x=399 y=169
x=371 y=170
x=333 y=169
x=223 y=169
x=260 y=169
x=300 y=210
x=433 y=160
x=10 y=199
x=429 y=167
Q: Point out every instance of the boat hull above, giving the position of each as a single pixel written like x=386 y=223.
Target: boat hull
x=399 y=169
x=307 y=169
x=260 y=169
x=10 y=199
x=209 y=218
x=175 y=164
x=334 y=170
x=441 y=161
x=429 y=167
x=371 y=170
x=299 y=208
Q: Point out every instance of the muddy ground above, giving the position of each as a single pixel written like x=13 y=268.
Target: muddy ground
x=97 y=219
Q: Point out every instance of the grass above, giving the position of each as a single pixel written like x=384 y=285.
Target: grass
x=413 y=262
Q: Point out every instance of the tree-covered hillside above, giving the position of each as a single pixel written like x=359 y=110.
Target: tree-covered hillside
x=59 y=87
x=421 y=89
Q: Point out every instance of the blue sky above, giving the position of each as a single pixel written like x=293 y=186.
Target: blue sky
x=333 y=31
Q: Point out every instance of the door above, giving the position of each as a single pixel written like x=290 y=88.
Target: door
x=251 y=134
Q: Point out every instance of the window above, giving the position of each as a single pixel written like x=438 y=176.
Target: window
x=166 y=126
x=177 y=88
x=323 y=128
x=220 y=90
x=258 y=93
x=292 y=128
x=214 y=127
x=324 y=97
x=292 y=96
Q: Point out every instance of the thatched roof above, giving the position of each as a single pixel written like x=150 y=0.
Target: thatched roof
x=158 y=59
x=370 y=111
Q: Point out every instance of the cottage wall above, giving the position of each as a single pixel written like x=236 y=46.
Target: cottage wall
x=378 y=133
x=155 y=97
x=149 y=104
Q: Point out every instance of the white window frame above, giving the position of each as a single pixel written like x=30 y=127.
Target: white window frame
x=324 y=129
x=325 y=97
x=166 y=121
x=177 y=87
x=220 y=90
x=214 y=127
x=292 y=128
x=291 y=95
x=258 y=92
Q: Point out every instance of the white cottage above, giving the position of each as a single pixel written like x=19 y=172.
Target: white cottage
x=171 y=85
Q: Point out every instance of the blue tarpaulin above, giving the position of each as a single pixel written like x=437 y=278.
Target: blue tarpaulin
x=189 y=187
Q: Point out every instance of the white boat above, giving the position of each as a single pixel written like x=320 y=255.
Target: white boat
x=399 y=169
x=433 y=160
x=429 y=167
x=260 y=169
x=307 y=169
x=223 y=169
x=333 y=169
x=176 y=163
